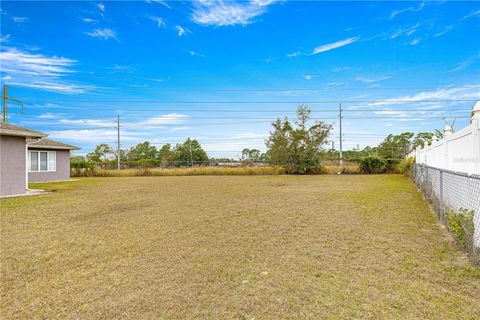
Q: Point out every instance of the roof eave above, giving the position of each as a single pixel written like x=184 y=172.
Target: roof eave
x=15 y=133
x=53 y=147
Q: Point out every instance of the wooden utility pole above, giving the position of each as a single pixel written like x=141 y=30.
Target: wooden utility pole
x=118 y=141
x=5 y=100
x=341 y=137
x=5 y=104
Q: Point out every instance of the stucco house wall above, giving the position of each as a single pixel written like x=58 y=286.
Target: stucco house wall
x=61 y=173
x=12 y=165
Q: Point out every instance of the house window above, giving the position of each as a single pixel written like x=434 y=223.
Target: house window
x=42 y=160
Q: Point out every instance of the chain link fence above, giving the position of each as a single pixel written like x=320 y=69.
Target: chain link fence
x=456 y=199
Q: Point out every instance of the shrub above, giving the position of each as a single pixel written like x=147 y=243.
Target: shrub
x=461 y=224
x=305 y=167
x=372 y=165
x=405 y=166
x=391 y=166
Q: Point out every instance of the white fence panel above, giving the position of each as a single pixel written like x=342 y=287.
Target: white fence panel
x=459 y=151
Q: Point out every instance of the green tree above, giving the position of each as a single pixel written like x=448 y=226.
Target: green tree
x=245 y=153
x=297 y=148
x=254 y=154
x=101 y=153
x=143 y=151
x=165 y=152
x=188 y=152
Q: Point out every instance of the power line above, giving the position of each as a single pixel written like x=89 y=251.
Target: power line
x=250 y=101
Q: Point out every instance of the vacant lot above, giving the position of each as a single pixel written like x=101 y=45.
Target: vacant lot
x=263 y=247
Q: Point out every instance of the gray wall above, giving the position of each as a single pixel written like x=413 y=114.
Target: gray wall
x=61 y=174
x=12 y=165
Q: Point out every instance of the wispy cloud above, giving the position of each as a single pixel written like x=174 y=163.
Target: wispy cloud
x=371 y=79
x=228 y=13
x=38 y=71
x=294 y=54
x=405 y=32
x=20 y=19
x=465 y=64
x=415 y=41
x=466 y=92
x=334 y=45
x=89 y=20
x=101 y=6
x=167 y=119
x=445 y=30
x=103 y=34
x=5 y=38
x=475 y=13
x=409 y=9
x=159 y=21
x=195 y=54
x=181 y=31
x=162 y=2
x=88 y=122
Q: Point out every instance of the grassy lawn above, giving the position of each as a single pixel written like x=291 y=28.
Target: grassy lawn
x=216 y=247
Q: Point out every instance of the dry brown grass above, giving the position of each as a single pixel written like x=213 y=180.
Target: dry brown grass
x=194 y=171
x=263 y=247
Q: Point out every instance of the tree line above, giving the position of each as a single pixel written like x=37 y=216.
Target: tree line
x=297 y=146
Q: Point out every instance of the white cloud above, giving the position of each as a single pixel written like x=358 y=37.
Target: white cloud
x=20 y=19
x=89 y=20
x=228 y=13
x=159 y=21
x=47 y=116
x=181 y=31
x=101 y=6
x=94 y=135
x=441 y=33
x=162 y=2
x=88 y=122
x=407 y=31
x=415 y=41
x=475 y=13
x=294 y=54
x=466 y=92
x=409 y=9
x=38 y=71
x=195 y=54
x=308 y=77
x=103 y=34
x=465 y=64
x=171 y=118
x=334 y=45
x=5 y=38
x=371 y=80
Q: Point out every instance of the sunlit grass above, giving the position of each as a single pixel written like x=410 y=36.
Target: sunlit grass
x=223 y=247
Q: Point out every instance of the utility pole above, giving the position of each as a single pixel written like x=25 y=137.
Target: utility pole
x=5 y=103
x=341 y=143
x=5 y=100
x=191 y=154
x=118 y=141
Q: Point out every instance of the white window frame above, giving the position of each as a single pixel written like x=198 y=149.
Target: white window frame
x=49 y=156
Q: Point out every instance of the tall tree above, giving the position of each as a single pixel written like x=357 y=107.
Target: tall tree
x=188 y=152
x=297 y=148
x=143 y=151
x=101 y=153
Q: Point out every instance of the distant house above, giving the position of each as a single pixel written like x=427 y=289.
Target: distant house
x=26 y=156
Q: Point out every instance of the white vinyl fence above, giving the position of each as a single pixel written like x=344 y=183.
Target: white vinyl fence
x=458 y=151
x=448 y=174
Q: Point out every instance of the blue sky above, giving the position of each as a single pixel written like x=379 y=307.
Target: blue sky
x=221 y=71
